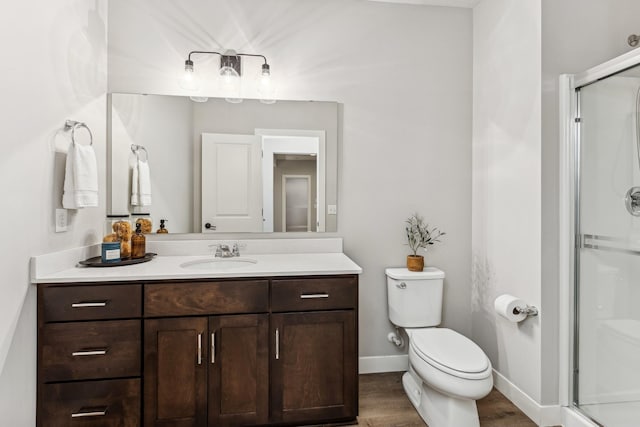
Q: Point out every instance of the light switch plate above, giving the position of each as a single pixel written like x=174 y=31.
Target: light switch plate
x=61 y=220
x=332 y=209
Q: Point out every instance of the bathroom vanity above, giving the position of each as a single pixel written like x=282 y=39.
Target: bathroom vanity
x=199 y=348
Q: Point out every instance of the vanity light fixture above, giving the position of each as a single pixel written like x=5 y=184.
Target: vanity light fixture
x=230 y=75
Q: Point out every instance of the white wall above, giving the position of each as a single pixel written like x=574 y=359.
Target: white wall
x=403 y=76
x=54 y=68
x=506 y=184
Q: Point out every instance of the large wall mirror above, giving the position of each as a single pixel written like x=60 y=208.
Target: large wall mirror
x=209 y=166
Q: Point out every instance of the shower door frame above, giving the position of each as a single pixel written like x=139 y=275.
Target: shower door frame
x=569 y=225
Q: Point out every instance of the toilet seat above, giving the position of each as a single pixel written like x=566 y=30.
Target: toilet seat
x=450 y=352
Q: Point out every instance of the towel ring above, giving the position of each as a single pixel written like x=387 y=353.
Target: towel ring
x=135 y=148
x=71 y=125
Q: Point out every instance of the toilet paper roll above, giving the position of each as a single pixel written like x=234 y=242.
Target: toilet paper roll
x=505 y=305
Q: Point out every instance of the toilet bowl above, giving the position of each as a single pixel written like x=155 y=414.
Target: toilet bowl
x=450 y=363
x=447 y=374
x=447 y=371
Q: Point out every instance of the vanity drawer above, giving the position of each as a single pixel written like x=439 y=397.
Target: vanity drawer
x=88 y=302
x=90 y=350
x=204 y=298
x=314 y=294
x=111 y=403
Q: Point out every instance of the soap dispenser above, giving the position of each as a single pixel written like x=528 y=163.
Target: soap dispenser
x=138 y=243
x=162 y=230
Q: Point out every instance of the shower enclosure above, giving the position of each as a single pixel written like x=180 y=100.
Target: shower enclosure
x=606 y=323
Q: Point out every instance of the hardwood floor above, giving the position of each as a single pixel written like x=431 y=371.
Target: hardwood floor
x=383 y=403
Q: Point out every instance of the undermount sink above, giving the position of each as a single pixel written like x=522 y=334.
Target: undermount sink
x=218 y=263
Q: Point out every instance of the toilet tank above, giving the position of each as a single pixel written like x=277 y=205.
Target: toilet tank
x=415 y=298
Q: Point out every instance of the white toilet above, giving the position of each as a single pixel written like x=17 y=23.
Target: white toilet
x=447 y=371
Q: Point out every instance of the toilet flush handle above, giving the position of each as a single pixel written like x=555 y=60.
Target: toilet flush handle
x=401 y=285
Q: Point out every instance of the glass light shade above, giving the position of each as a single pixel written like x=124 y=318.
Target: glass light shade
x=189 y=80
x=230 y=84
x=266 y=89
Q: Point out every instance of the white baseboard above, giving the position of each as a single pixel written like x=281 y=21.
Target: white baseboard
x=377 y=364
x=542 y=415
x=571 y=418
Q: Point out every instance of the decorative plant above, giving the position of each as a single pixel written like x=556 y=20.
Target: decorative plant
x=419 y=235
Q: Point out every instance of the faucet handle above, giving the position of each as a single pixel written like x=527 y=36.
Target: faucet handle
x=236 y=249
x=218 y=248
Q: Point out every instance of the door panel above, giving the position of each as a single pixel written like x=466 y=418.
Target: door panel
x=231 y=183
x=313 y=366
x=239 y=370
x=606 y=378
x=175 y=392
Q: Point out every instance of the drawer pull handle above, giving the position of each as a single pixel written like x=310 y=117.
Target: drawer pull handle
x=200 y=348
x=213 y=347
x=277 y=344
x=96 y=352
x=314 y=296
x=89 y=304
x=90 y=412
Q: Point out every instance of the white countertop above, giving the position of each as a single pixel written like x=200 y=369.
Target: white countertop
x=169 y=268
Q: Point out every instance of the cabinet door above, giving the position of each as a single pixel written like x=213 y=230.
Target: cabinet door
x=175 y=372
x=314 y=368
x=239 y=370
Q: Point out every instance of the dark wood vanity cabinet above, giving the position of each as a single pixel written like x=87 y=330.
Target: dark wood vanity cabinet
x=200 y=353
x=175 y=372
x=313 y=373
x=314 y=368
x=89 y=355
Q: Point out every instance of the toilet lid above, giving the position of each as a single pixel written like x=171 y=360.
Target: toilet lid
x=449 y=349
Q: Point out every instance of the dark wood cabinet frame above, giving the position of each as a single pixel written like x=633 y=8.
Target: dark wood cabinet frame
x=220 y=352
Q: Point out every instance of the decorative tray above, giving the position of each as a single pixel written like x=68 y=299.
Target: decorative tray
x=96 y=261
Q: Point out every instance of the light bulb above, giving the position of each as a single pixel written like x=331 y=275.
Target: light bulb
x=189 y=79
x=230 y=84
x=265 y=86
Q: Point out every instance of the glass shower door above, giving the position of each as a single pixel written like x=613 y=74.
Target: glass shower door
x=607 y=351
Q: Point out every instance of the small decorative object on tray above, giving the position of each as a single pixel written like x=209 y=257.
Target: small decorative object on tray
x=97 y=261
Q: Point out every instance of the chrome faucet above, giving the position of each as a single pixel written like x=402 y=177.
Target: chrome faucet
x=223 y=250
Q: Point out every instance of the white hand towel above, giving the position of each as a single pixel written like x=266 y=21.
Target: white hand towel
x=135 y=193
x=144 y=183
x=81 y=178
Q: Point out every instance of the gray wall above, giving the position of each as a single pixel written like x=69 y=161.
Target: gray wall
x=402 y=74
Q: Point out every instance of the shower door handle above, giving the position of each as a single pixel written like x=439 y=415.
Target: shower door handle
x=632 y=201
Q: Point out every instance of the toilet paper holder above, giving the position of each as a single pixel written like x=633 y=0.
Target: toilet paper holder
x=529 y=310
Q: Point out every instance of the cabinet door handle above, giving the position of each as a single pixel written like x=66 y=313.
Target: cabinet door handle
x=90 y=412
x=200 y=348
x=277 y=344
x=314 y=296
x=213 y=347
x=96 y=352
x=89 y=304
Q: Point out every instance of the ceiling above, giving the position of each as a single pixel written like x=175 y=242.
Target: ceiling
x=448 y=3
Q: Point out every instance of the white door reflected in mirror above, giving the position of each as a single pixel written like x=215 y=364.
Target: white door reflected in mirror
x=231 y=183
x=296 y=203
x=253 y=183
